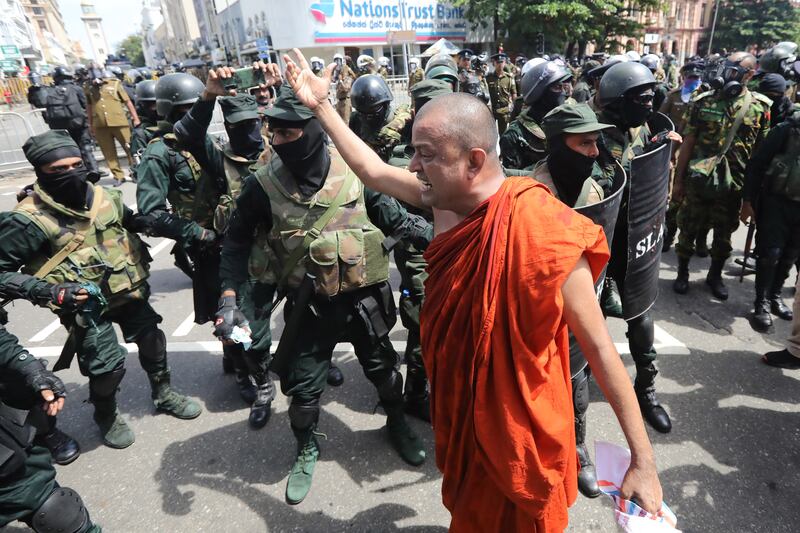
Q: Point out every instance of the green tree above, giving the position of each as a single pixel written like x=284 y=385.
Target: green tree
x=132 y=45
x=517 y=22
x=760 y=23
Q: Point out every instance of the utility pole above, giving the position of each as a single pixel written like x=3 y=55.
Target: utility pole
x=713 y=26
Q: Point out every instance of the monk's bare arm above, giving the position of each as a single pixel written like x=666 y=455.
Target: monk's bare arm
x=367 y=165
x=312 y=91
x=586 y=322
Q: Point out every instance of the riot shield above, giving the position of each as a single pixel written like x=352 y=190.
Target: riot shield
x=647 y=206
x=605 y=215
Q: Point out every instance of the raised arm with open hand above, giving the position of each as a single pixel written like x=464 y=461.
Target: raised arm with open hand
x=312 y=91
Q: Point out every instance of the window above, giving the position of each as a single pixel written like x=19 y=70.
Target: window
x=100 y=51
x=42 y=25
x=87 y=9
x=93 y=25
x=38 y=11
x=703 y=15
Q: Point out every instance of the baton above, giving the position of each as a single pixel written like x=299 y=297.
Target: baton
x=751 y=229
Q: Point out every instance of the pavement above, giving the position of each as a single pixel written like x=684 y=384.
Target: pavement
x=729 y=465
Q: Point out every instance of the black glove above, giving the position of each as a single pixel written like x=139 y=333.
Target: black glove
x=207 y=239
x=38 y=378
x=657 y=140
x=63 y=295
x=228 y=315
x=141 y=223
x=418 y=231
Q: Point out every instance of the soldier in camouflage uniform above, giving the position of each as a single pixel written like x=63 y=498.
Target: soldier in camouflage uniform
x=307 y=184
x=522 y=145
x=709 y=175
x=626 y=96
x=502 y=91
x=28 y=488
x=70 y=240
x=374 y=120
x=675 y=106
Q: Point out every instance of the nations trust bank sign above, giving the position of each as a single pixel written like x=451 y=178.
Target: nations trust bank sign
x=368 y=21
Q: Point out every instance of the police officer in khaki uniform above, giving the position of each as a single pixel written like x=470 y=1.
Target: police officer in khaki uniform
x=343 y=77
x=502 y=91
x=107 y=102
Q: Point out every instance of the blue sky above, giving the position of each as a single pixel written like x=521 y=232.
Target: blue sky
x=120 y=19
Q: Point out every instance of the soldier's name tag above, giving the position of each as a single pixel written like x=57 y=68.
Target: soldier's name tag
x=711 y=114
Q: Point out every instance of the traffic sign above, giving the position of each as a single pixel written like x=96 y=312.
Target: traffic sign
x=9 y=65
x=262 y=45
x=401 y=37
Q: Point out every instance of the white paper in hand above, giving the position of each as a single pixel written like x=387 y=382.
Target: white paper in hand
x=612 y=463
x=242 y=336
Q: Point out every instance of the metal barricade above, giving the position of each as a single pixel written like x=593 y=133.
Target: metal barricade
x=14 y=131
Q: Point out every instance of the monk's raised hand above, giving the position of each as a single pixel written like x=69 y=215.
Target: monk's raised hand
x=642 y=485
x=215 y=83
x=311 y=90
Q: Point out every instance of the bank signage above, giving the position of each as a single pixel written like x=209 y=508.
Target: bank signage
x=368 y=21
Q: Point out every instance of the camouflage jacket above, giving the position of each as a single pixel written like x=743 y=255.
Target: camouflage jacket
x=709 y=119
x=522 y=145
x=397 y=130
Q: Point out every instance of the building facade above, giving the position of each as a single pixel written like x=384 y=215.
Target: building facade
x=680 y=29
x=152 y=19
x=181 y=29
x=51 y=34
x=15 y=30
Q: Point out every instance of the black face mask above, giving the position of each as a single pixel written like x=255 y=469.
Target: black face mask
x=569 y=170
x=549 y=101
x=246 y=140
x=68 y=187
x=376 y=118
x=148 y=114
x=635 y=114
x=780 y=110
x=306 y=158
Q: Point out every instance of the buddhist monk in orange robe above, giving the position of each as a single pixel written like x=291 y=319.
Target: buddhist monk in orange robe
x=510 y=269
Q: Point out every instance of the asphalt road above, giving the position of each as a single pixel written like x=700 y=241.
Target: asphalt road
x=730 y=464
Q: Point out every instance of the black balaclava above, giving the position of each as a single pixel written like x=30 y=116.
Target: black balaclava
x=627 y=112
x=148 y=113
x=568 y=168
x=780 y=110
x=306 y=158
x=69 y=187
x=245 y=138
x=548 y=101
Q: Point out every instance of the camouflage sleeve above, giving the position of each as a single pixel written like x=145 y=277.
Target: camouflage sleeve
x=690 y=121
x=20 y=240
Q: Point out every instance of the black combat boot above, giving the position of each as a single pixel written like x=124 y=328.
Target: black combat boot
x=304 y=424
x=261 y=409
x=761 y=320
x=714 y=279
x=777 y=306
x=645 y=388
x=587 y=476
x=63 y=448
x=681 y=283
x=610 y=302
x=669 y=238
x=701 y=245
x=415 y=394
x=335 y=376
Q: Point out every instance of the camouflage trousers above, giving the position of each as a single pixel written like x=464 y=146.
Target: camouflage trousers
x=700 y=210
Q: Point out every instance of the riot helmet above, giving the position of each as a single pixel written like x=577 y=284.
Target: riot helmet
x=633 y=55
x=146 y=91
x=520 y=61
x=371 y=98
x=116 y=72
x=545 y=78
x=413 y=64
x=439 y=60
x=779 y=58
x=651 y=61
x=133 y=76
x=443 y=72
x=532 y=63
x=62 y=73
x=383 y=61
x=598 y=72
x=626 y=93
x=338 y=59
x=317 y=64
x=146 y=73
x=175 y=90
x=365 y=63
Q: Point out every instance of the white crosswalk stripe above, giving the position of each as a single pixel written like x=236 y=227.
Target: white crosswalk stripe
x=185 y=327
x=46 y=331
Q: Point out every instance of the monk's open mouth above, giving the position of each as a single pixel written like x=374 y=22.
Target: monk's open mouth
x=424 y=184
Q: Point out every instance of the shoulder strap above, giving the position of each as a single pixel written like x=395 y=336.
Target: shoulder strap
x=77 y=239
x=312 y=233
x=737 y=123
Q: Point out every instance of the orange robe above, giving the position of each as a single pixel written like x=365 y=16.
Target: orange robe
x=496 y=350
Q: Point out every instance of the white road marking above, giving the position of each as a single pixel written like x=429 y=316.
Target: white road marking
x=8 y=193
x=185 y=327
x=46 y=332
x=155 y=250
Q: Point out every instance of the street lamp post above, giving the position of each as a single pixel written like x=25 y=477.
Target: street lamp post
x=713 y=26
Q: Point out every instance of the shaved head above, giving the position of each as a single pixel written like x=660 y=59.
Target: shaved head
x=744 y=59
x=462 y=120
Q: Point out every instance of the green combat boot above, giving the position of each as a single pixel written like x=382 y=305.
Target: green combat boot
x=169 y=401
x=402 y=437
x=610 y=302
x=300 y=477
x=113 y=429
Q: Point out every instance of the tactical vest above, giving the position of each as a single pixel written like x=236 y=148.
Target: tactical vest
x=198 y=202
x=347 y=255
x=390 y=135
x=108 y=248
x=236 y=168
x=784 y=170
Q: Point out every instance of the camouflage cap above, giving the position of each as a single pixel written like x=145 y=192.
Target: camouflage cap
x=238 y=108
x=50 y=146
x=288 y=108
x=430 y=88
x=571 y=118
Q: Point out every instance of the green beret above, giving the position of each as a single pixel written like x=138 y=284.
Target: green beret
x=239 y=108
x=430 y=88
x=571 y=118
x=50 y=146
x=288 y=108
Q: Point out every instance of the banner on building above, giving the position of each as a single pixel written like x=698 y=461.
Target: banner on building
x=360 y=21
